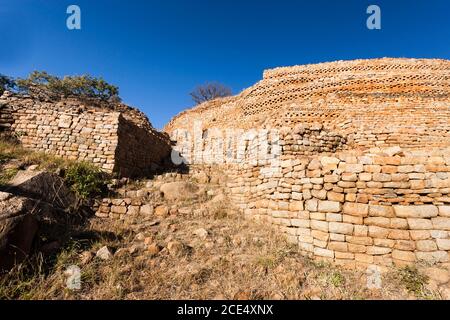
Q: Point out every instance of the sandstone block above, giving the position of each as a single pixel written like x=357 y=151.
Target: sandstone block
x=311 y=205
x=420 y=211
x=329 y=206
x=378 y=232
x=356 y=209
x=419 y=224
x=373 y=250
x=433 y=257
x=323 y=252
x=320 y=235
x=378 y=221
x=444 y=211
x=340 y=228
x=426 y=245
x=300 y=223
x=319 y=225
x=404 y=255
x=443 y=244
x=338 y=246
x=441 y=223
x=334 y=196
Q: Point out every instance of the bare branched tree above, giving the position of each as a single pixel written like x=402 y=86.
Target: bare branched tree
x=210 y=91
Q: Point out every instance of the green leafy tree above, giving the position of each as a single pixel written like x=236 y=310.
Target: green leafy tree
x=85 y=86
x=6 y=83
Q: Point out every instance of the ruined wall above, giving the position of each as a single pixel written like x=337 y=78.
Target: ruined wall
x=359 y=172
x=110 y=138
x=6 y=120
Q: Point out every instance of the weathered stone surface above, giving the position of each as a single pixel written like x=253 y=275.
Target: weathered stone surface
x=356 y=209
x=104 y=253
x=329 y=206
x=441 y=223
x=404 y=255
x=18 y=227
x=420 y=224
x=426 y=211
x=341 y=228
x=179 y=190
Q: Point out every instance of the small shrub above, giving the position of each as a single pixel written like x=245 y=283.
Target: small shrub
x=337 y=279
x=413 y=280
x=6 y=176
x=86 y=179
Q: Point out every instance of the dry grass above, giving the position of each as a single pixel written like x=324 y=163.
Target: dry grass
x=14 y=154
x=237 y=260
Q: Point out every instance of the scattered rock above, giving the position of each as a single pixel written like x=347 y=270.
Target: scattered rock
x=104 y=253
x=140 y=237
x=242 y=295
x=33 y=167
x=86 y=257
x=121 y=253
x=185 y=211
x=146 y=209
x=201 y=233
x=18 y=227
x=161 y=211
x=175 y=248
x=135 y=248
x=153 y=249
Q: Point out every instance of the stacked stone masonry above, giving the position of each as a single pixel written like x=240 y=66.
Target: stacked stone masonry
x=364 y=163
x=113 y=139
x=6 y=120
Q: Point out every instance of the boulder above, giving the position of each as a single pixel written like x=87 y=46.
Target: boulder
x=18 y=227
x=104 y=253
x=44 y=186
x=179 y=190
x=35 y=202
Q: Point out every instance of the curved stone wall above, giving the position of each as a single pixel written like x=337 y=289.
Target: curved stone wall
x=380 y=102
x=362 y=173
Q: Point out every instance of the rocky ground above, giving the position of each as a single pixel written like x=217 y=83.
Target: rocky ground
x=197 y=247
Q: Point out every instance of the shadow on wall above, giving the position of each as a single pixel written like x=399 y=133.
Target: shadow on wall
x=142 y=153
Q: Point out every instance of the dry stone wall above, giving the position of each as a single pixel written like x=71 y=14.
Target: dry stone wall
x=362 y=170
x=114 y=139
x=355 y=209
x=6 y=120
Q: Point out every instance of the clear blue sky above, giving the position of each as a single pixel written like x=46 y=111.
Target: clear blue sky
x=158 y=51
